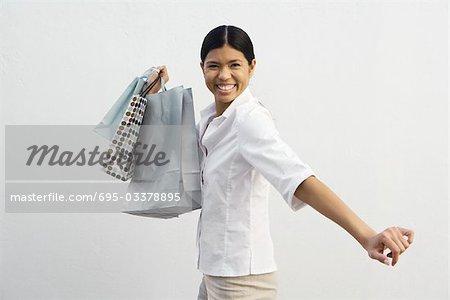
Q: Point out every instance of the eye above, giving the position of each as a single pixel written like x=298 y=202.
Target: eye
x=212 y=66
x=235 y=65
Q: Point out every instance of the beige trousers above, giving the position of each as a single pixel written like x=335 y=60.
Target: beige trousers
x=248 y=287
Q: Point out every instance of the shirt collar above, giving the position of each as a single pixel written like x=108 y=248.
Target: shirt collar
x=244 y=97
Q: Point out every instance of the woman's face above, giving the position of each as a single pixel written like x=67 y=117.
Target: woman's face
x=227 y=74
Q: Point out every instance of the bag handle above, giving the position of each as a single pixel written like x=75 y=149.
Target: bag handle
x=152 y=84
x=163 y=84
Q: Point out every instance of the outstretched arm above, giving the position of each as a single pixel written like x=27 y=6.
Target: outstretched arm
x=320 y=197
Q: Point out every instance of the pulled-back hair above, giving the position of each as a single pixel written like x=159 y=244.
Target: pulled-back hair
x=233 y=36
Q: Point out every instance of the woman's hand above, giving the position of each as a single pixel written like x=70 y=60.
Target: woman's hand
x=319 y=196
x=163 y=74
x=392 y=238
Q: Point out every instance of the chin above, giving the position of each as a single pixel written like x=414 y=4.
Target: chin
x=226 y=100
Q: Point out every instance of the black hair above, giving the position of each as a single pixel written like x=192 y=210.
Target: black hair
x=234 y=36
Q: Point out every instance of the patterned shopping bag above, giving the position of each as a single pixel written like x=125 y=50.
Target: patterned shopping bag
x=120 y=159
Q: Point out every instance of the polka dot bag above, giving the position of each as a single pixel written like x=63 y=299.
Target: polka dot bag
x=120 y=161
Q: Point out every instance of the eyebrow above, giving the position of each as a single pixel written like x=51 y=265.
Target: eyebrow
x=215 y=62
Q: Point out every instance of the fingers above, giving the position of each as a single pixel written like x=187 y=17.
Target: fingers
x=408 y=233
x=379 y=256
x=154 y=75
x=395 y=249
x=162 y=68
x=400 y=240
x=163 y=72
x=393 y=239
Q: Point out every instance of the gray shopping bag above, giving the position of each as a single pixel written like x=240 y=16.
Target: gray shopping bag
x=166 y=179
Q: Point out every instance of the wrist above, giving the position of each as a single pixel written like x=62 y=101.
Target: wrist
x=364 y=237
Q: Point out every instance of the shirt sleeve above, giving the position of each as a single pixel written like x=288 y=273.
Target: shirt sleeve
x=260 y=144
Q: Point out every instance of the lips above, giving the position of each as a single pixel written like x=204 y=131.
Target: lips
x=225 y=87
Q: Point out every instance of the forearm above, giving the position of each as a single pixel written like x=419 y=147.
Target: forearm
x=320 y=197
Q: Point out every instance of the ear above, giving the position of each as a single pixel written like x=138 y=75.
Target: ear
x=252 y=67
x=201 y=66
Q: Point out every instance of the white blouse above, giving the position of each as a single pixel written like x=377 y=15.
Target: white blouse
x=242 y=154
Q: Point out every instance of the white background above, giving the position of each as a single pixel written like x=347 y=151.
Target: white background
x=358 y=89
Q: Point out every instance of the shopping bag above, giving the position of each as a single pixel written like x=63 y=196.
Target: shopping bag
x=112 y=119
x=120 y=159
x=121 y=126
x=170 y=185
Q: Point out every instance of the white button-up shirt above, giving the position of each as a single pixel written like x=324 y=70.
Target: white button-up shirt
x=242 y=154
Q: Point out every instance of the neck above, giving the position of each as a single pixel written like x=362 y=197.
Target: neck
x=221 y=107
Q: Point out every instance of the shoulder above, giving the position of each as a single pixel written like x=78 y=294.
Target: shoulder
x=255 y=120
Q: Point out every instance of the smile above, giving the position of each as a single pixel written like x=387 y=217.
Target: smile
x=225 y=87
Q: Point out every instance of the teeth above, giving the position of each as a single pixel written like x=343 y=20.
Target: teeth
x=226 y=87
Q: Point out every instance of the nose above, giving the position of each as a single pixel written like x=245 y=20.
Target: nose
x=224 y=73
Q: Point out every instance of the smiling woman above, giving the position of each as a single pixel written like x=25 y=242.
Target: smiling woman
x=227 y=73
x=243 y=155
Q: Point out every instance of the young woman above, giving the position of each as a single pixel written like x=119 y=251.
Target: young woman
x=242 y=156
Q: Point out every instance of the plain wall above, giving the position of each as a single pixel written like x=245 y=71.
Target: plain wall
x=357 y=88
